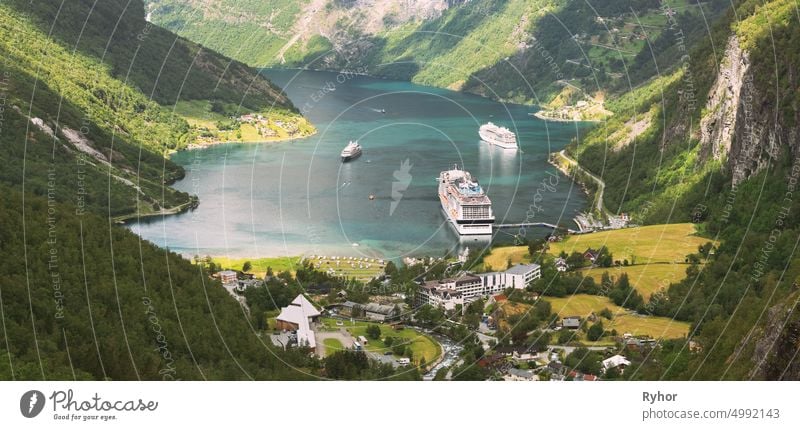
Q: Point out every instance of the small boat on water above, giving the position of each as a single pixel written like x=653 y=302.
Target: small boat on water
x=351 y=151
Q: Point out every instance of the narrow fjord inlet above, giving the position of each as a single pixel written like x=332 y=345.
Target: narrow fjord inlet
x=297 y=197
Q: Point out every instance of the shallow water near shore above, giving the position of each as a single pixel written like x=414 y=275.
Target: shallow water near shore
x=297 y=197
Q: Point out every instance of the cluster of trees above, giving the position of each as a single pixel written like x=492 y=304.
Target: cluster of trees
x=585 y=360
x=355 y=365
x=539 y=316
x=622 y=292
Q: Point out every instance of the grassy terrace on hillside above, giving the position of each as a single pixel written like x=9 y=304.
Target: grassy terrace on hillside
x=280 y=264
x=624 y=321
x=645 y=278
x=658 y=251
x=423 y=346
x=663 y=243
x=498 y=258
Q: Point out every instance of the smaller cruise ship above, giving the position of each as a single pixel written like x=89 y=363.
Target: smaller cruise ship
x=499 y=136
x=351 y=151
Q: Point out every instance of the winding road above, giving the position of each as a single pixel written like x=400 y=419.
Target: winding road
x=601 y=185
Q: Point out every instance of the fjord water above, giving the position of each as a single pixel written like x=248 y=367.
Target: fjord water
x=297 y=197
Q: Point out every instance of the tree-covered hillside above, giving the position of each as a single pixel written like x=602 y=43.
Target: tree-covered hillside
x=714 y=141
x=520 y=50
x=89 y=103
x=84 y=131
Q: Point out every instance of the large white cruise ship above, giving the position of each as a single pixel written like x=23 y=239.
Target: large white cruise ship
x=464 y=203
x=496 y=135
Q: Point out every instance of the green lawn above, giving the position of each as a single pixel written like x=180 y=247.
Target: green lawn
x=667 y=243
x=424 y=346
x=332 y=345
x=624 y=322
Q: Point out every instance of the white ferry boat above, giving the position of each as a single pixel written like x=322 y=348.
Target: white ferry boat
x=496 y=135
x=464 y=203
x=351 y=151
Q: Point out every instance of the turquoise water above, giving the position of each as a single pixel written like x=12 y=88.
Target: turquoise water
x=294 y=198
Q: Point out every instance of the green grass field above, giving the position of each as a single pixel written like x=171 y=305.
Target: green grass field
x=332 y=345
x=498 y=258
x=280 y=264
x=645 y=278
x=665 y=243
x=198 y=113
x=624 y=321
x=260 y=265
x=424 y=347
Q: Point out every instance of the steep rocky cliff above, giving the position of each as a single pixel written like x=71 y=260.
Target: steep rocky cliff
x=776 y=345
x=751 y=116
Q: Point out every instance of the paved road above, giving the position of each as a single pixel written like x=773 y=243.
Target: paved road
x=569 y=349
x=601 y=185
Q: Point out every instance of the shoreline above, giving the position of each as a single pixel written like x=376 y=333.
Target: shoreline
x=175 y=210
x=538 y=114
x=206 y=145
x=601 y=185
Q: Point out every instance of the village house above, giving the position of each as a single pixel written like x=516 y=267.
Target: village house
x=561 y=264
x=591 y=255
x=497 y=298
x=377 y=312
x=571 y=323
x=556 y=369
x=617 y=361
x=249 y=283
x=228 y=277
x=515 y=374
x=349 y=309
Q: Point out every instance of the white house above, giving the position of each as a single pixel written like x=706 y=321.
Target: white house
x=616 y=361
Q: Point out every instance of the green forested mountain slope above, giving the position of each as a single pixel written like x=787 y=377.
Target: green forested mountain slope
x=160 y=64
x=99 y=93
x=83 y=299
x=520 y=50
x=83 y=134
x=715 y=142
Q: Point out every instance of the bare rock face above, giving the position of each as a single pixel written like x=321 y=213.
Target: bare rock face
x=717 y=126
x=775 y=354
x=741 y=123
